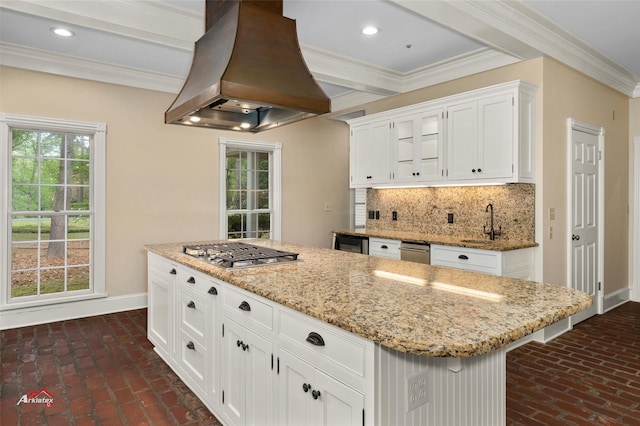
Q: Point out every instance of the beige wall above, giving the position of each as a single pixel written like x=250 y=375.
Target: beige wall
x=570 y=94
x=162 y=180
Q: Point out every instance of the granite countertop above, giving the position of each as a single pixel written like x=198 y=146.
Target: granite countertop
x=412 y=237
x=409 y=307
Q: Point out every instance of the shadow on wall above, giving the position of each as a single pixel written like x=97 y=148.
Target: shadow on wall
x=426 y=210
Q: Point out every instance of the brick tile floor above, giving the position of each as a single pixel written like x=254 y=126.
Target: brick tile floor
x=102 y=370
x=588 y=376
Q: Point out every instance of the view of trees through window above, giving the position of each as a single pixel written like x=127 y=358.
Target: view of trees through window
x=248 y=194
x=50 y=212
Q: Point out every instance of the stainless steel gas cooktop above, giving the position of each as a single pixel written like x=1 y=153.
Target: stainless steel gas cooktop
x=235 y=255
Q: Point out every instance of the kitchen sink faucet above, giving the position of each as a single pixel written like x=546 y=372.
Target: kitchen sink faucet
x=492 y=233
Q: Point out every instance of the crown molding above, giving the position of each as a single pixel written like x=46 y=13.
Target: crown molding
x=515 y=28
x=70 y=66
x=474 y=62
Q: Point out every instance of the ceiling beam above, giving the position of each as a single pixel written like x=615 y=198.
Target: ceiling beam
x=517 y=29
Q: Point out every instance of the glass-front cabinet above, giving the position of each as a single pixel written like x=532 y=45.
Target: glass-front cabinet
x=417 y=147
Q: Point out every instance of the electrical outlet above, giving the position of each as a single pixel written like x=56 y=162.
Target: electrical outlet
x=371 y=214
x=394 y=215
x=449 y=217
x=551 y=232
x=328 y=206
x=377 y=214
x=552 y=213
x=416 y=390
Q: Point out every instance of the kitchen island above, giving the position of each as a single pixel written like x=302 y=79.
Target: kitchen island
x=423 y=344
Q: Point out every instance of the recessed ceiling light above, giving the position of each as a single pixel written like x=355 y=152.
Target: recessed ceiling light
x=245 y=125
x=370 y=30
x=194 y=119
x=63 y=32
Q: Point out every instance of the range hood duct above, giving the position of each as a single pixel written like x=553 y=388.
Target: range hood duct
x=247 y=73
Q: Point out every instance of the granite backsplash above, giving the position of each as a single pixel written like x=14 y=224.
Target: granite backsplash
x=425 y=210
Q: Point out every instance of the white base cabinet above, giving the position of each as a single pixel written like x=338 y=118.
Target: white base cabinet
x=308 y=397
x=255 y=362
x=512 y=263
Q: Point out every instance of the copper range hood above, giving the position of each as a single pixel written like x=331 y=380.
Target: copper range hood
x=247 y=73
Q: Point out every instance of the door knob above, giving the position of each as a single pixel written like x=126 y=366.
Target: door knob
x=575 y=237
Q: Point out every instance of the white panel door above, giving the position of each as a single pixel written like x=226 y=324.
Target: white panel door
x=584 y=218
x=295 y=401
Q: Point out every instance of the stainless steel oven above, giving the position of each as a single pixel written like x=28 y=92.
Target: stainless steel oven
x=354 y=244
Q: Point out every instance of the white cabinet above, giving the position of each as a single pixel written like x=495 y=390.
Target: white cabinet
x=182 y=322
x=370 y=151
x=417 y=147
x=486 y=136
x=481 y=139
x=309 y=397
x=248 y=378
x=490 y=136
x=512 y=263
x=161 y=282
x=382 y=247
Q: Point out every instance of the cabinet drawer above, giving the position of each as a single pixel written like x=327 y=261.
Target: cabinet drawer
x=249 y=310
x=161 y=265
x=470 y=259
x=193 y=314
x=331 y=347
x=384 y=248
x=192 y=361
x=201 y=283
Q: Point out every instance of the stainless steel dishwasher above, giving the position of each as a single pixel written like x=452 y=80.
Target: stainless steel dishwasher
x=414 y=252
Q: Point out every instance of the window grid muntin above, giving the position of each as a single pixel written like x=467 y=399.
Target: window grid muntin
x=70 y=138
x=247 y=166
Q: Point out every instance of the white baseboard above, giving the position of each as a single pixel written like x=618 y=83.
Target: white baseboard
x=25 y=317
x=617 y=298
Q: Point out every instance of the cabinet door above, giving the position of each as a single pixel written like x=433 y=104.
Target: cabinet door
x=370 y=154
x=337 y=404
x=248 y=383
x=496 y=137
x=295 y=403
x=428 y=150
x=233 y=373
x=160 y=312
x=310 y=397
x=404 y=149
x=462 y=141
x=259 y=380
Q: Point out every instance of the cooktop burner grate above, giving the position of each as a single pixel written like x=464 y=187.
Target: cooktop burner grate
x=234 y=255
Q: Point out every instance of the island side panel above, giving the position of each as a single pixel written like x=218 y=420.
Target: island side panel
x=418 y=391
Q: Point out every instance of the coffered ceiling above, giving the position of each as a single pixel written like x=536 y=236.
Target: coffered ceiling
x=149 y=44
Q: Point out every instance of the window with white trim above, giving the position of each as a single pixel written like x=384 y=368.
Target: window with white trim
x=249 y=189
x=52 y=209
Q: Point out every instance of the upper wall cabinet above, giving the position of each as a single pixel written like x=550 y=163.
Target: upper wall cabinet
x=417 y=147
x=490 y=135
x=370 y=150
x=482 y=136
